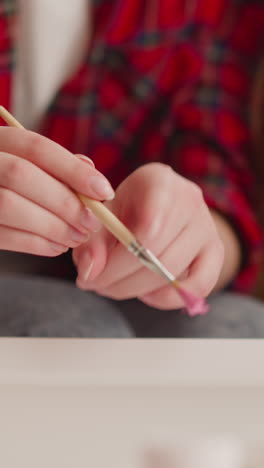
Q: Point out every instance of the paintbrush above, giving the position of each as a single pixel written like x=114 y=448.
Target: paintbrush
x=194 y=305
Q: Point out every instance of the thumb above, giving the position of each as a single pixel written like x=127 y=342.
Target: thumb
x=91 y=258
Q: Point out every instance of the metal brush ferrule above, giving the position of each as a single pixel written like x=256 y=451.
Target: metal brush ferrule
x=136 y=248
x=149 y=260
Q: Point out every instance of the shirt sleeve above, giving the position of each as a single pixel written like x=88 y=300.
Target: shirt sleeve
x=212 y=141
x=227 y=195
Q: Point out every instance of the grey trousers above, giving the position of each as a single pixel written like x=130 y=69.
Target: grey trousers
x=39 y=307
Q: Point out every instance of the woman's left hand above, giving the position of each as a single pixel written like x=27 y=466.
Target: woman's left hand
x=168 y=214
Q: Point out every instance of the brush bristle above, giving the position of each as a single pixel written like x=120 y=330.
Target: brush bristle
x=194 y=305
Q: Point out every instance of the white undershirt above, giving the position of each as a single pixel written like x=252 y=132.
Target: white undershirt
x=52 y=38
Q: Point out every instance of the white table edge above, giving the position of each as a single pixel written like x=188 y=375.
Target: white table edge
x=133 y=362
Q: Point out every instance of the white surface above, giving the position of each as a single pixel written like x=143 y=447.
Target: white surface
x=80 y=403
x=133 y=362
x=52 y=40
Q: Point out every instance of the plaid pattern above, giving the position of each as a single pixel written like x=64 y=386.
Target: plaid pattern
x=7 y=21
x=169 y=81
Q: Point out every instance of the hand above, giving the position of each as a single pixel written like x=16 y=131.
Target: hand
x=39 y=211
x=167 y=213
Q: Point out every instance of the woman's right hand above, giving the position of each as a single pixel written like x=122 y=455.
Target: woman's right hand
x=39 y=210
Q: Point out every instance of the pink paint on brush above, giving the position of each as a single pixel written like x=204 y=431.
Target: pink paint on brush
x=194 y=305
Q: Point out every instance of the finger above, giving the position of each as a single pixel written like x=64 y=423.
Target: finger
x=26 y=242
x=201 y=280
x=149 y=201
x=92 y=259
x=154 y=222
x=19 y=213
x=164 y=298
x=177 y=257
x=121 y=263
x=56 y=161
x=33 y=183
x=206 y=270
x=85 y=159
x=104 y=236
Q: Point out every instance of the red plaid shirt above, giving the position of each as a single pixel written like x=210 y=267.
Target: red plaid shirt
x=169 y=81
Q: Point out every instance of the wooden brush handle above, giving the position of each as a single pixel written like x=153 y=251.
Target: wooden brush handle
x=107 y=218
x=9 y=119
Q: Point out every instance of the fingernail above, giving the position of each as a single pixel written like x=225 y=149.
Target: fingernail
x=101 y=187
x=84 y=274
x=88 y=271
x=86 y=159
x=89 y=221
x=78 y=236
x=58 y=247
